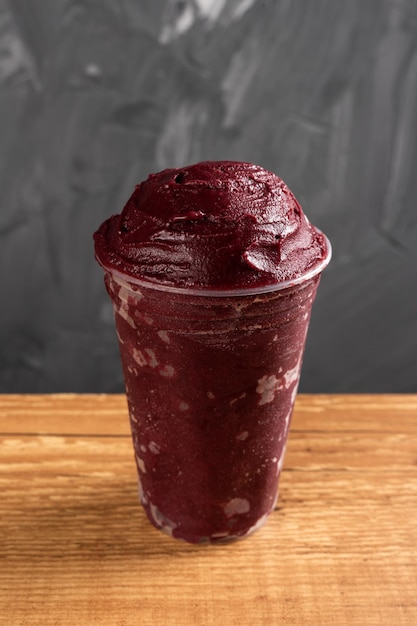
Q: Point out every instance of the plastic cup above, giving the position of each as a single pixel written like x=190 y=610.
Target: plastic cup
x=211 y=378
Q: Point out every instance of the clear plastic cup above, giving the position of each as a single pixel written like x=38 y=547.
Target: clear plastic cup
x=211 y=378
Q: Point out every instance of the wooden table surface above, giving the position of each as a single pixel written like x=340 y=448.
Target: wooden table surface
x=340 y=547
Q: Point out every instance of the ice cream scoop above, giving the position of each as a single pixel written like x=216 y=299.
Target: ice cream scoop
x=216 y=224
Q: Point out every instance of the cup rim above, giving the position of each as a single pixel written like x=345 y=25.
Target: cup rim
x=248 y=291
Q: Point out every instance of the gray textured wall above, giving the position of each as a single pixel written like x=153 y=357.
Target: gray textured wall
x=97 y=94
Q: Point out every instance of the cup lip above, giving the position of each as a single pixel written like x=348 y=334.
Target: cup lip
x=213 y=293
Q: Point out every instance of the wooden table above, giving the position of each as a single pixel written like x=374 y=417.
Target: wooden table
x=340 y=548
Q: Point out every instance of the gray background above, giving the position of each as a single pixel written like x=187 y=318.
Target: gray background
x=97 y=94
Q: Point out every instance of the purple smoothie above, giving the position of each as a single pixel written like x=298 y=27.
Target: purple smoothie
x=212 y=271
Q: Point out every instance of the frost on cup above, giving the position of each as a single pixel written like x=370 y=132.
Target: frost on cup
x=211 y=347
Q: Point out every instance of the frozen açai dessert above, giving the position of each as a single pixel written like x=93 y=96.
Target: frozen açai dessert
x=212 y=270
x=214 y=225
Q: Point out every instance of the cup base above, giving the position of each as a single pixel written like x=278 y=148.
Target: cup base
x=168 y=527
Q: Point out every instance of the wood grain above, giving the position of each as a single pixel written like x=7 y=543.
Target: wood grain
x=340 y=548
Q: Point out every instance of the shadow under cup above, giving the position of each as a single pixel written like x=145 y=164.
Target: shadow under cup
x=211 y=378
